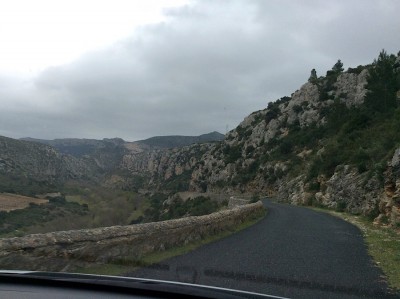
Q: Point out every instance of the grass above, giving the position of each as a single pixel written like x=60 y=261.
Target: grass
x=76 y=198
x=144 y=205
x=383 y=245
x=126 y=265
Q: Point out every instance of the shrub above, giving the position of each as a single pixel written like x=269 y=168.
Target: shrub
x=254 y=198
x=297 y=109
x=341 y=206
x=232 y=153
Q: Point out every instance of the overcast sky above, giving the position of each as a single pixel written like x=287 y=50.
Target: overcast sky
x=136 y=69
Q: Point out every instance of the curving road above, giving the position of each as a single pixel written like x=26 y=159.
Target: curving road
x=293 y=252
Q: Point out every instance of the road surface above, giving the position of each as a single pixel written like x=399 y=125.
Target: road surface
x=293 y=252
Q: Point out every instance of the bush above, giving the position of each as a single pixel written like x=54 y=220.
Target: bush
x=341 y=206
x=254 y=198
x=314 y=186
x=382 y=85
x=178 y=183
x=297 y=109
x=178 y=208
x=273 y=111
x=232 y=154
x=249 y=149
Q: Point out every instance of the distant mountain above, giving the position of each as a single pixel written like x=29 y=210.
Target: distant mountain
x=80 y=147
x=77 y=147
x=180 y=141
x=31 y=168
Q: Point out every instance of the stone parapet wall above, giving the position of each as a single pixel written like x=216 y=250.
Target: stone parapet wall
x=66 y=250
x=235 y=202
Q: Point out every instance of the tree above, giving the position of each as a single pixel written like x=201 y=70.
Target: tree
x=338 y=67
x=382 y=84
x=313 y=77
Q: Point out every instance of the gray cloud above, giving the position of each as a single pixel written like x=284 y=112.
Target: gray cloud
x=209 y=67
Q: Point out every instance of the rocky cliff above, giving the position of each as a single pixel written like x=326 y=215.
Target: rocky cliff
x=331 y=143
x=389 y=204
x=247 y=153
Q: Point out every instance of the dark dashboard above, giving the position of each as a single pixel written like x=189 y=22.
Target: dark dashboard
x=45 y=285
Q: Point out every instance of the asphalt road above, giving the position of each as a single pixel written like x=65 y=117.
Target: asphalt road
x=293 y=252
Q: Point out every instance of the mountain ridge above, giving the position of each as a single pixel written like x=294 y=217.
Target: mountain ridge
x=172 y=141
x=79 y=147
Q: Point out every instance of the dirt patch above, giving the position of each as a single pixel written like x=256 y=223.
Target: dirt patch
x=9 y=202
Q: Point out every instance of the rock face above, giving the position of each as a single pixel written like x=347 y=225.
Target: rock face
x=350 y=88
x=352 y=191
x=293 y=191
x=389 y=205
x=64 y=251
x=166 y=170
x=112 y=162
x=164 y=163
x=249 y=140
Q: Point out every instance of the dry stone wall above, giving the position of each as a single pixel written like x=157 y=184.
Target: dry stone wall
x=67 y=250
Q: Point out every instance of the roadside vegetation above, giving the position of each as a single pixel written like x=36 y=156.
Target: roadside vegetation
x=162 y=207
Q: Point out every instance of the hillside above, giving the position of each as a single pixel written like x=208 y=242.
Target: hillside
x=72 y=146
x=30 y=168
x=335 y=142
x=332 y=143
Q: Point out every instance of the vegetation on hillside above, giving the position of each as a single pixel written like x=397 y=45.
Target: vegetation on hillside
x=363 y=136
x=164 y=208
x=23 y=185
x=35 y=214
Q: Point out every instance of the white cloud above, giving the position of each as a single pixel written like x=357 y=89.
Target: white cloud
x=209 y=66
x=36 y=34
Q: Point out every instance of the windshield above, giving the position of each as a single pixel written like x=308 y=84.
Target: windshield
x=249 y=145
